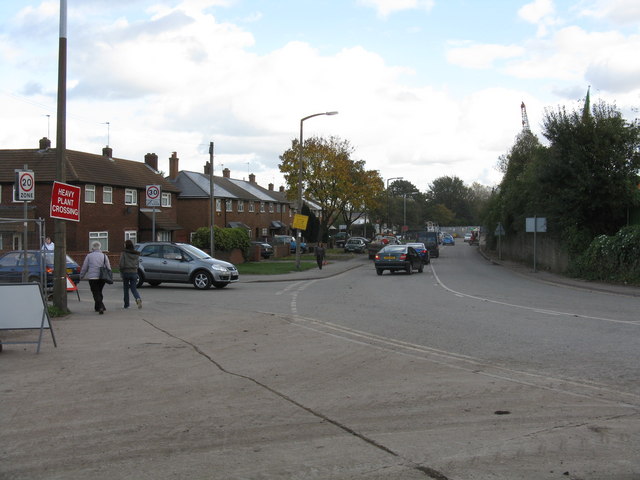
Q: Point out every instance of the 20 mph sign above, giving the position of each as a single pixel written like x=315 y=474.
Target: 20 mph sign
x=25 y=186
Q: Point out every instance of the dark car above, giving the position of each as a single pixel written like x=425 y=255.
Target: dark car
x=398 y=258
x=356 y=245
x=422 y=251
x=266 y=250
x=12 y=267
x=182 y=263
x=340 y=239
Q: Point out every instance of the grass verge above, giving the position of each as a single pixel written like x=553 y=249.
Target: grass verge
x=274 y=267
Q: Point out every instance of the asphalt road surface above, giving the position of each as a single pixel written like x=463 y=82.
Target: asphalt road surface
x=466 y=371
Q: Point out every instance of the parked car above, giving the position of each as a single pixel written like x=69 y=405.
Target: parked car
x=398 y=257
x=422 y=251
x=182 y=263
x=356 y=245
x=284 y=239
x=467 y=237
x=448 y=240
x=266 y=250
x=340 y=239
x=12 y=266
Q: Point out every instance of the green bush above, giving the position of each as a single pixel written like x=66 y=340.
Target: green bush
x=226 y=239
x=614 y=258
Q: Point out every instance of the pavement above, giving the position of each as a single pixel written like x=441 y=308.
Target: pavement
x=172 y=392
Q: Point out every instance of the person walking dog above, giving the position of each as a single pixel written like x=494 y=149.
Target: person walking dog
x=91 y=270
x=129 y=260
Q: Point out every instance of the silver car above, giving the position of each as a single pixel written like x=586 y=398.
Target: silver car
x=182 y=263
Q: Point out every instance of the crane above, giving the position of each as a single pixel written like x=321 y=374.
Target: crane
x=525 y=119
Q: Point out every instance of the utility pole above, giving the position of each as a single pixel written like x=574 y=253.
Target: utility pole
x=212 y=242
x=60 y=251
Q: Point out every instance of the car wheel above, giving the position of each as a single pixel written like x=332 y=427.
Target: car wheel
x=408 y=269
x=421 y=268
x=220 y=284
x=202 y=280
x=154 y=283
x=140 y=279
x=379 y=271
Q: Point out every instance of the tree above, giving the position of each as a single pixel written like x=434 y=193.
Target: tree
x=455 y=195
x=330 y=177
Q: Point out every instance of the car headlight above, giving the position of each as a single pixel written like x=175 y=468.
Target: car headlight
x=218 y=268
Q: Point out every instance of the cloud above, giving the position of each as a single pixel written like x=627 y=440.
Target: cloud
x=482 y=56
x=622 y=12
x=386 y=7
x=540 y=13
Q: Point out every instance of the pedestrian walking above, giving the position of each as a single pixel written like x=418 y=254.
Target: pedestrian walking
x=129 y=260
x=91 y=270
x=320 y=253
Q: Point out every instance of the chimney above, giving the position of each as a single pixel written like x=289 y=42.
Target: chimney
x=271 y=187
x=226 y=173
x=151 y=159
x=252 y=178
x=173 y=166
x=45 y=143
x=281 y=189
x=107 y=152
x=207 y=168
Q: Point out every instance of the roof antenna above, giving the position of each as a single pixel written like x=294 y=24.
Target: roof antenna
x=48 y=126
x=108 y=132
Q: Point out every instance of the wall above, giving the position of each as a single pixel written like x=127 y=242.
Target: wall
x=549 y=255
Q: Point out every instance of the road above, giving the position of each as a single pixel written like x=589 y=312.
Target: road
x=466 y=371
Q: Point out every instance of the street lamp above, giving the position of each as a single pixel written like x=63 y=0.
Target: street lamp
x=388 y=199
x=404 y=221
x=300 y=168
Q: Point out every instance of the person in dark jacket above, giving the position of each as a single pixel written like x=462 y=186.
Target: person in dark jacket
x=129 y=260
x=320 y=253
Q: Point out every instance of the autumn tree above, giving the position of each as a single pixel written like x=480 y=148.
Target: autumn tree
x=330 y=177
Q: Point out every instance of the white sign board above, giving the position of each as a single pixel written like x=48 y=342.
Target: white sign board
x=154 y=193
x=25 y=186
x=536 y=224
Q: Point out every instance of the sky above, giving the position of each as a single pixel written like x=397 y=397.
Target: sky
x=424 y=88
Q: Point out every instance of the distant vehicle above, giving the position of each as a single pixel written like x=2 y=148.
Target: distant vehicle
x=380 y=241
x=182 y=263
x=421 y=249
x=12 y=267
x=340 y=239
x=266 y=250
x=356 y=245
x=448 y=240
x=467 y=237
x=284 y=239
x=398 y=258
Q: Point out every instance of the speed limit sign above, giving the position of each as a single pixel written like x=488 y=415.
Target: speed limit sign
x=153 y=195
x=25 y=186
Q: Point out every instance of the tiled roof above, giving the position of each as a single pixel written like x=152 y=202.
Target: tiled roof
x=82 y=168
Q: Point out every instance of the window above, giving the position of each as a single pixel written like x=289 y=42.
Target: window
x=166 y=199
x=218 y=205
x=130 y=196
x=102 y=237
x=284 y=208
x=252 y=207
x=107 y=195
x=229 y=206
x=90 y=195
x=131 y=235
x=163 y=236
x=240 y=206
x=261 y=207
x=270 y=207
x=278 y=208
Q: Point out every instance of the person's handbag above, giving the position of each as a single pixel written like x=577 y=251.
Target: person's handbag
x=105 y=273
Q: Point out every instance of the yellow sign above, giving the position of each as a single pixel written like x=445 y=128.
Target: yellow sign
x=300 y=221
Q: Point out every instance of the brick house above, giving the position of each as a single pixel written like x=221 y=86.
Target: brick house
x=113 y=197
x=264 y=212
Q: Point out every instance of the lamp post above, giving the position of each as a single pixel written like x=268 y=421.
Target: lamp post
x=300 y=169
x=404 y=218
x=389 y=200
